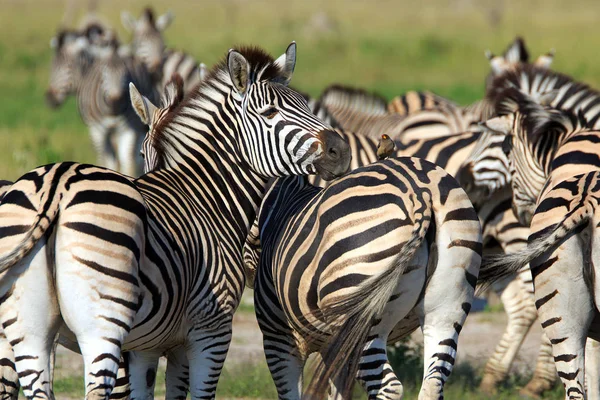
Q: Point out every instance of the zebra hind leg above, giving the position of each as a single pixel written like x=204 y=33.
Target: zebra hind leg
x=376 y=374
x=9 y=380
x=206 y=352
x=178 y=374
x=30 y=319
x=447 y=301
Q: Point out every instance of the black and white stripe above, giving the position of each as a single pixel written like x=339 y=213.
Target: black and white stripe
x=155 y=264
x=345 y=264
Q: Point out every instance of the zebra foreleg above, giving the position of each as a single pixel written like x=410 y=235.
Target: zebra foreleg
x=105 y=155
x=544 y=375
x=142 y=373
x=206 y=352
x=178 y=374
x=520 y=309
x=592 y=368
x=128 y=145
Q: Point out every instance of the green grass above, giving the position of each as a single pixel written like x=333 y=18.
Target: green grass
x=254 y=381
x=386 y=46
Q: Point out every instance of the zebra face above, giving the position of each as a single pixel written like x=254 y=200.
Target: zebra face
x=278 y=133
x=70 y=59
x=147 y=42
x=486 y=170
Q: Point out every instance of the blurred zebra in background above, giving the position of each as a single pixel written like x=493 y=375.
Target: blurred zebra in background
x=360 y=250
x=148 y=46
x=88 y=65
x=555 y=174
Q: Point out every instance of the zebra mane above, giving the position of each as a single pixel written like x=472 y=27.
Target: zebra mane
x=148 y=13
x=349 y=98
x=524 y=76
x=262 y=67
x=538 y=121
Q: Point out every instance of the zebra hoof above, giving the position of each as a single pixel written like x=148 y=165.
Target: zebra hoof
x=535 y=389
x=489 y=385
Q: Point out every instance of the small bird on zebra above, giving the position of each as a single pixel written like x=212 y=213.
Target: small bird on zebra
x=386 y=147
x=154 y=265
x=553 y=161
x=339 y=268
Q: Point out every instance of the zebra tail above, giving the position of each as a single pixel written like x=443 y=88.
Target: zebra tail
x=340 y=359
x=46 y=215
x=498 y=266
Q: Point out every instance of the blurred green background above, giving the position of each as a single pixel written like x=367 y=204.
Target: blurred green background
x=386 y=46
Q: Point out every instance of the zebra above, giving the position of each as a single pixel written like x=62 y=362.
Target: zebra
x=172 y=237
x=99 y=76
x=553 y=163
x=148 y=46
x=350 y=258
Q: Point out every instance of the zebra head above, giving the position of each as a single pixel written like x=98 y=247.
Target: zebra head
x=516 y=54
x=71 y=58
x=531 y=138
x=486 y=170
x=147 y=42
x=270 y=126
x=278 y=133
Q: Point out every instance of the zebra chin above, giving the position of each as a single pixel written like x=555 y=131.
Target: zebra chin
x=336 y=157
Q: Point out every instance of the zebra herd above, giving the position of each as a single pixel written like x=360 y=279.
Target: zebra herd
x=385 y=236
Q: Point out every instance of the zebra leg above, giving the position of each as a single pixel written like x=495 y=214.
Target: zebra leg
x=519 y=306
x=30 y=318
x=127 y=150
x=142 y=373
x=206 y=354
x=592 y=368
x=122 y=388
x=285 y=364
x=443 y=310
x=565 y=310
x=178 y=374
x=105 y=156
x=9 y=380
x=544 y=375
x=375 y=372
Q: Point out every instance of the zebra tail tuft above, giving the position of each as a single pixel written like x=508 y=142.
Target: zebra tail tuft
x=340 y=358
x=495 y=267
x=41 y=223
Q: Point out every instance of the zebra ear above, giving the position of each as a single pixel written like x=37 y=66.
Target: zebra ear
x=128 y=21
x=173 y=92
x=545 y=60
x=516 y=52
x=142 y=106
x=287 y=62
x=239 y=71
x=164 y=20
x=501 y=125
x=202 y=71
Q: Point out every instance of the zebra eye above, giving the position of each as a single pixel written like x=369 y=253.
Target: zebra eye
x=507 y=145
x=270 y=113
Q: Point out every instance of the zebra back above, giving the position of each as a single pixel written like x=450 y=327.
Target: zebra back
x=414 y=101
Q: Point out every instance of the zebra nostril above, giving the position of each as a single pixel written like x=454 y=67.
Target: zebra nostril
x=333 y=153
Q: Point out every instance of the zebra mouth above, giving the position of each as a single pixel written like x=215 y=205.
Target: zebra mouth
x=52 y=100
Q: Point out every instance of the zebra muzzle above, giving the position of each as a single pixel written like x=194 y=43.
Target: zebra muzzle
x=336 y=157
